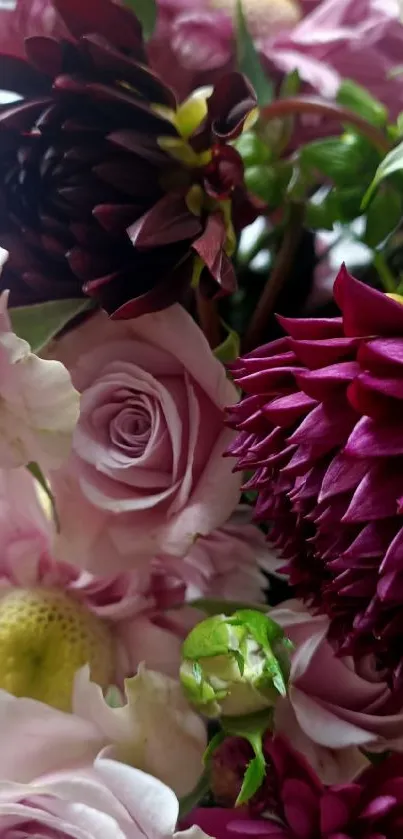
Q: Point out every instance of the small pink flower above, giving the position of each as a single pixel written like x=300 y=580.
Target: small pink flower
x=333 y=709
x=38 y=406
x=228 y=564
x=55 y=618
x=146 y=474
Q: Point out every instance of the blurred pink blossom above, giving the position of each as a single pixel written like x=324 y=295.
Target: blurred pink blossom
x=334 y=39
x=333 y=709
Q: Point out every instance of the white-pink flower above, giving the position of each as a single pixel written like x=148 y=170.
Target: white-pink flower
x=152 y=729
x=107 y=799
x=55 y=618
x=38 y=405
x=146 y=475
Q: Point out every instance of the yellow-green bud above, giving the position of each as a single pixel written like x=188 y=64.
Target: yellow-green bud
x=237 y=665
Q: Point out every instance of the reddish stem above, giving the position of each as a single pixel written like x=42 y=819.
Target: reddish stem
x=316 y=105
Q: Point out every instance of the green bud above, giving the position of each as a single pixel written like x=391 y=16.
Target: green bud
x=237 y=665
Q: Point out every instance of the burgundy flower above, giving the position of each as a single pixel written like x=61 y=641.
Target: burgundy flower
x=101 y=191
x=298 y=806
x=320 y=427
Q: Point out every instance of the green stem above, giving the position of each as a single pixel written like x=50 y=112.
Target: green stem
x=277 y=278
x=388 y=280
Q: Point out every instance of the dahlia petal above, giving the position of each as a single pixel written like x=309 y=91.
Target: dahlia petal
x=384 y=386
x=373 y=540
x=45 y=54
x=393 y=560
x=19 y=77
x=279 y=346
x=269 y=382
x=321 y=384
x=115 y=23
x=168 y=221
x=370 y=439
x=21 y=116
x=376 y=496
x=259 y=364
x=366 y=401
x=136 y=142
x=319 y=353
x=286 y=410
x=366 y=311
x=334 y=813
x=343 y=474
x=106 y=58
x=390 y=588
x=311 y=328
x=326 y=426
x=381 y=351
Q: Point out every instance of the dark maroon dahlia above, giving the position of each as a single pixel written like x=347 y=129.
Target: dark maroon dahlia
x=101 y=190
x=299 y=806
x=321 y=428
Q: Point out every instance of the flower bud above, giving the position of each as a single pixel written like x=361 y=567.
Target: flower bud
x=237 y=665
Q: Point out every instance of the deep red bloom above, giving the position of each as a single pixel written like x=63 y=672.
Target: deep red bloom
x=300 y=807
x=89 y=200
x=320 y=425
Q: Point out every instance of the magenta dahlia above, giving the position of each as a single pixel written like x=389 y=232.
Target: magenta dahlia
x=101 y=190
x=320 y=428
x=298 y=806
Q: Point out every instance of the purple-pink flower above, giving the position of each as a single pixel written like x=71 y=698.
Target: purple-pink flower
x=333 y=707
x=146 y=475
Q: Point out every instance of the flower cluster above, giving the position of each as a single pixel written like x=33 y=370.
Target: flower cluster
x=110 y=187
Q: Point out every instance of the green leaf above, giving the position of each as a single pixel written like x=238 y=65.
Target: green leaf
x=357 y=99
x=252 y=149
x=383 y=216
x=269 y=183
x=392 y=163
x=188 y=802
x=253 y=779
x=39 y=323
x=146 y=13
x=230 y=348
x=248 y=59
x=290 y=85
x=342 y=159
x=239 y=660
x=264 y=630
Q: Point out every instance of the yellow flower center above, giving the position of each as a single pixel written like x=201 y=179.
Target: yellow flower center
x=265 y=17
x=45 y=637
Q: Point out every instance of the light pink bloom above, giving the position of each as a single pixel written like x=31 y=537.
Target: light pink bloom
x=125 y=618
x=146 y=474
x=228 y=564
x=333 y=709
x=152 y=729
x=38 y=405
x=108 y=799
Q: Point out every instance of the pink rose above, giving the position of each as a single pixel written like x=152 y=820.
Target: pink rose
x=146 y=474
x=333 y=710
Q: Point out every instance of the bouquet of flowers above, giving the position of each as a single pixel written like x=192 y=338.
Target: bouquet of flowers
x=201 y=448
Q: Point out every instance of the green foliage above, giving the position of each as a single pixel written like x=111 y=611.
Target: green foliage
x=146 y=13
x=269 y=183
x=248 y=59
x=39 y=323
x=344 y=160
x=230 y=348
x=383 y=216
x=357 y=99
x=390 y=165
